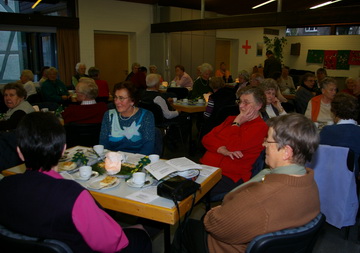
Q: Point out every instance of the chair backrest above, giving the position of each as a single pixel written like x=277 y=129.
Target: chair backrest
x=180 y=92
x=259 y=164
x=295 y=240
x=224 y=112
x=82 y=134
x=19 y=243
x=52 y=106
x=156 y=110
x=336 y=183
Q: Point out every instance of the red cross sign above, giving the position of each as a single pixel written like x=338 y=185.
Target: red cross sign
x=246 y=47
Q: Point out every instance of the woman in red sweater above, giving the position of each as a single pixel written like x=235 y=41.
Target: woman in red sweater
x=235 y=144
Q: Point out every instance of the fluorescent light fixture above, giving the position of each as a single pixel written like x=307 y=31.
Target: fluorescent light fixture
x=324 y=4
x=35 y=4
x=264 y=3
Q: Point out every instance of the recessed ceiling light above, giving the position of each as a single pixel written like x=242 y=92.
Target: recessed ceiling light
x=35 y=4
x=259 y=5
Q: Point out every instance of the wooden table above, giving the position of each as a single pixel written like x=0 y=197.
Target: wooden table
x=192 y=109
x=162 y=210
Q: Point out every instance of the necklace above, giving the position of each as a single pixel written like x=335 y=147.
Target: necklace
x=206 y=82
x=134 y=110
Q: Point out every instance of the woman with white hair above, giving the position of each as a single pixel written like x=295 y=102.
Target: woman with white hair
x=27 y=78
x=80 y=72
x=201 y=85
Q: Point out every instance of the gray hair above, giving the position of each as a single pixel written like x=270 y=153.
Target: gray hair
x=88 y=87
x=152 y=80
x=52 y=69
x=269 y=84
x=244 y=74
x=326 y=81
x=78 y=66
x=205 y=67
x=298 y=132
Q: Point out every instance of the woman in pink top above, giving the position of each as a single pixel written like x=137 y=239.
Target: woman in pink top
x=48 y=206
x=182 y=79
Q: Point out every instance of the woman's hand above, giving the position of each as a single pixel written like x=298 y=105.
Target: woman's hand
x=248 y=115
x=277 y=104
x=234 y=154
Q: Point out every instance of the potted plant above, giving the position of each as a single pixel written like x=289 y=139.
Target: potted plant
x=276 y=45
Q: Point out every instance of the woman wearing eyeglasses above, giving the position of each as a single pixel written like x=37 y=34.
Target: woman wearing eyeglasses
x=128 y=128
x=235 y=144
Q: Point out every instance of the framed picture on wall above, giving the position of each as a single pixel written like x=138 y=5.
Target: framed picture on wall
x=259 y=49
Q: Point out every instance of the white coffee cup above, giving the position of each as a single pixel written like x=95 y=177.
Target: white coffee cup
x=138 y=178
x=85 y=172
x=174 y=100
x=45 y=109
x=200 y=101
x=99 y=149
x=185 y=100
x=154 y=158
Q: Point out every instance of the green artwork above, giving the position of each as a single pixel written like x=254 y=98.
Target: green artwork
x=315 y=56
x=342 y=61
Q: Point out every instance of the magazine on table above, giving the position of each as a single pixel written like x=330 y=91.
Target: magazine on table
x=163 y=168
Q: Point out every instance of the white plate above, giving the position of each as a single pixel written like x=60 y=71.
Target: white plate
x=132 y=184
x=76 y=176
x=69 y=169
x=95 y=184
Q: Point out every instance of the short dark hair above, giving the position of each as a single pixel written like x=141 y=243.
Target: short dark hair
x=257 y=92
x=41 y=144
x=297 y=131
x=326 y=81
x=345 y=106
x=180 y=67
x=216 y=83
x=19 y=88
x=321 y=70
x=93 y=72
x=130 y=87
x=306 y=76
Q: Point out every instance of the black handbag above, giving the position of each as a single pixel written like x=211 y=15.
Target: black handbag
x=177 y=188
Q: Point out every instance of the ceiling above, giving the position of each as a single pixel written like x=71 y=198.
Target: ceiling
x=238 y=7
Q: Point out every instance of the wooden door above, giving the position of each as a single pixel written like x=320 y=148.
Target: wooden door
x=223 y=49
x=111 y=57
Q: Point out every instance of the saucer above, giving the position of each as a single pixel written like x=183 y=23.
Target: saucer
x=95 y=184
x=77 y=176
x=132 y=184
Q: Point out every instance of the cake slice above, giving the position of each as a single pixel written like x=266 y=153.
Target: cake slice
x=108 y=180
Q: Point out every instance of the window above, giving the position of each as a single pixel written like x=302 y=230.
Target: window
x=310 y=29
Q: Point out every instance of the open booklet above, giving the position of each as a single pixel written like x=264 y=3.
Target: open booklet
x=162 y=168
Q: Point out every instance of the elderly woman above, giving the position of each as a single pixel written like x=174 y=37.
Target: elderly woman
x=134 y=69
x=80 y=72
x=286 y=83
x=127 y=127
x=43 y=75
x=346 y=132
x=237 y=142
x=14 y=98
x=57 y=208
x=27 y=78
x=201 y=85
x=89 y=111
x=182 y=78
x=103 y=87
x=285 y=197
x=54 y=90
x=154 y=70
x=350 y=86
x=306 y=91
x=242 y=80
x=319 y=107
x=273 y=106
x=256 y=79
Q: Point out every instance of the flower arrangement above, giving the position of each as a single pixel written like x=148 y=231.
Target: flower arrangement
x=80 y=157
x=142 y=163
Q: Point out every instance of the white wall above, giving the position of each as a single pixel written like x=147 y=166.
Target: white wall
x=115 y=17
x=335 y=42
x=254 y=36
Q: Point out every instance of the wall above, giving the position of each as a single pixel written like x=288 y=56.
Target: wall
x=115 y=17
x=254 y=35
x=335 y=42
x=238 y=38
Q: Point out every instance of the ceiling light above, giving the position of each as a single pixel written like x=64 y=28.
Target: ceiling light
x=35 y=4
x=324 y=4
x=259 y=5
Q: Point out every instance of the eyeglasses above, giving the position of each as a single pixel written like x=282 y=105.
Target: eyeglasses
x=244 y=102
x=266 y=142
x=120 y=98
